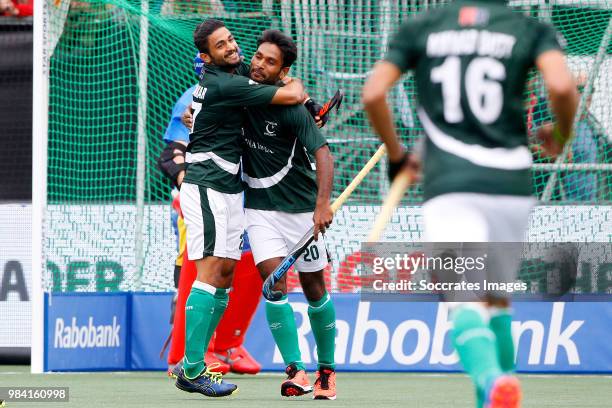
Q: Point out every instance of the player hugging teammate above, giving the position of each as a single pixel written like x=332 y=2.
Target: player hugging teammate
x=211 y=200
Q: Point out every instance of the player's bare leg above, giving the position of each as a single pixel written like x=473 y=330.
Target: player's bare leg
x=323 y=322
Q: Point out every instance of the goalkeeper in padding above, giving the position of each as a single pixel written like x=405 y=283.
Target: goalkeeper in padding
x=226 y=349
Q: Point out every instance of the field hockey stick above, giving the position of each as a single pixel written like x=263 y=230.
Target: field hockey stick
x=334 y=102
x=166 y=344
x=400 y=184
x=303 y=243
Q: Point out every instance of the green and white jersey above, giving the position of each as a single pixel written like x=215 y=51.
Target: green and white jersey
x=215 y=141
x=279 y=169
x=470 y=61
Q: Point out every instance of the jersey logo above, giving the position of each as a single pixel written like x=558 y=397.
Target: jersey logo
x=251 y=82
x=471 y=16
x=270 y=128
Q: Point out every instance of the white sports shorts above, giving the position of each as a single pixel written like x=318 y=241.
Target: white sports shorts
x=214 y=220
x=272 y=234
x=474 y=217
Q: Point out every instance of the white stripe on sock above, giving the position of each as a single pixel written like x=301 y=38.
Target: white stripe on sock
x=499 y=311
x=475 y=306
x=321 y=305
x=280 y=302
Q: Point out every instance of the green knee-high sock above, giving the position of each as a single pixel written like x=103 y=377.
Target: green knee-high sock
x=480 y=397
x=501 y=325
x=221 y=302
x=198 y=315
x=322 y=316
x=475 y=344
x=282 y=325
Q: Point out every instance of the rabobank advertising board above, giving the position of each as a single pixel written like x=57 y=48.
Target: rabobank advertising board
x=414 y=336
x=87 y=331
x=126 y=331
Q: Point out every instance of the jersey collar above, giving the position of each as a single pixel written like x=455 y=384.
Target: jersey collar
x=213 y=69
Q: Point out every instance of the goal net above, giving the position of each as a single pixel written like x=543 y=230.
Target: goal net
x=112 y=71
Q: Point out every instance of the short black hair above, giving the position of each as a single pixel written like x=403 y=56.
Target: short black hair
x=282 y=41
x=203 y=31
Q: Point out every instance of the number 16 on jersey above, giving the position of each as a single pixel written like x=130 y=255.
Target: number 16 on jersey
x=484 y=92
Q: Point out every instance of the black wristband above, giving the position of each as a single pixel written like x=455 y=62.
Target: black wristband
x=394 y=167
x=314 y=108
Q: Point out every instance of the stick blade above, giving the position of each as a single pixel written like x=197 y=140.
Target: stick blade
x=335 y=101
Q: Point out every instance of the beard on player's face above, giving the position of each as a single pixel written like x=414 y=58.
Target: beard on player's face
x=266 y=77
x=222 y=50
x=266 y=64
x=228 y=59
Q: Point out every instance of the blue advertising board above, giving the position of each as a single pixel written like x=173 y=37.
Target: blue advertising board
x=558 y=337
x=87 y=331
x=150 y=329
x=127 y=331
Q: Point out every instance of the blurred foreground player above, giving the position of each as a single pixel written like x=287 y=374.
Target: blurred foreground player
x=470 y=61
x=226 y=350
x=284 y=196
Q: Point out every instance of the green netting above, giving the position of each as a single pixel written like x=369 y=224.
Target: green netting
x=118 y=66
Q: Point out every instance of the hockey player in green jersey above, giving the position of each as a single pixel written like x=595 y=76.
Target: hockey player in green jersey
x=470 y=61
x=288 y=172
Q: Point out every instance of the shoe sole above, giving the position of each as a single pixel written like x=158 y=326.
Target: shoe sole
x=190 y=390
x=290 y=389
x=324 y=397
x=506 y=393
x=250 y=372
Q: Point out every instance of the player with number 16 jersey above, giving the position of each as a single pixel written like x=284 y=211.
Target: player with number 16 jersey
x=474 y=126
x=471 y=60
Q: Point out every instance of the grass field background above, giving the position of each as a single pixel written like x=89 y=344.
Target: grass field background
x=154 y=389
